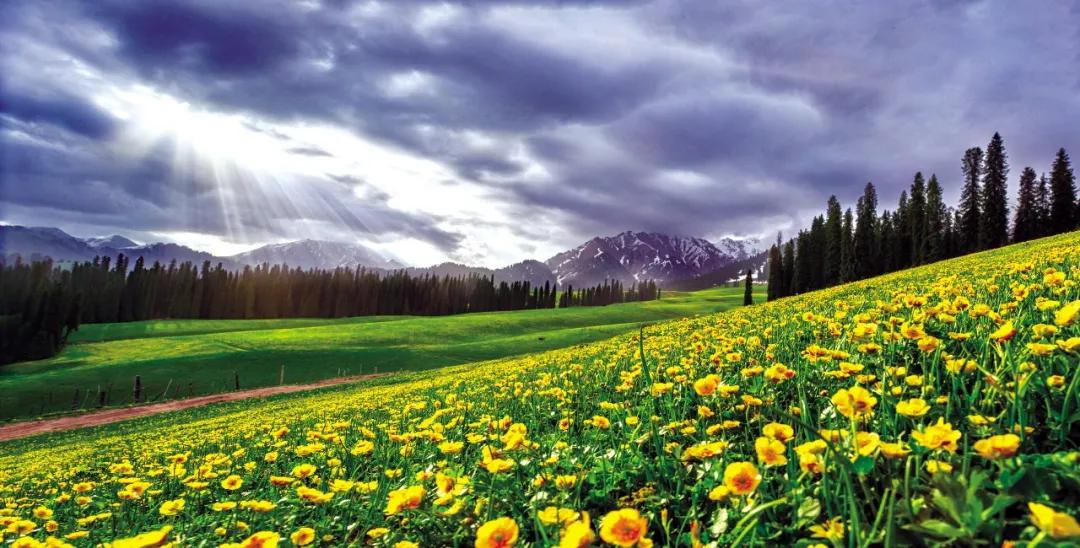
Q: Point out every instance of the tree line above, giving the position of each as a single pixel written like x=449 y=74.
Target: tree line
x=841 y=246
x=41 y=303
x=609 y=292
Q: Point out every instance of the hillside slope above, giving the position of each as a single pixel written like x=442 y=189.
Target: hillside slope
x=936 y=405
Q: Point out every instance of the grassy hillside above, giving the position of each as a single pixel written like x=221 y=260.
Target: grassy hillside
x=933 y=406
x=179 y=358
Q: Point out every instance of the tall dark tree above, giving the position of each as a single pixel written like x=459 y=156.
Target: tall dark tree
x=1042 y=208
x=934 y=234
x=994 y=219
x=776 y=274
x=748 y=294
x=916 y=220
x=969 y=209
x=834 y=226
x=847 y=248
x=866 y=234
x=1026 y=221
x=1063 y=216
x=788 y=268
x=890 y=256
x=902 y=235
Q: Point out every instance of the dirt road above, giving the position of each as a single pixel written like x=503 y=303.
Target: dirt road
x=30 y=428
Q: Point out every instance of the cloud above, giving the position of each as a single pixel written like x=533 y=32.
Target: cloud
x=548 y=122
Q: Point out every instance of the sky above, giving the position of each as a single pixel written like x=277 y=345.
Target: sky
x=492 y=132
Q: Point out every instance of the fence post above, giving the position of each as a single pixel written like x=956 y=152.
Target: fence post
x=137 y=390
x=236 y=379
x=75 y=400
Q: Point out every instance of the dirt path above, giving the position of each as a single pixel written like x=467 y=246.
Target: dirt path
x=31 y=428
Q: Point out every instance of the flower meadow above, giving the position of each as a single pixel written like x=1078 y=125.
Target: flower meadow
x=938 y=405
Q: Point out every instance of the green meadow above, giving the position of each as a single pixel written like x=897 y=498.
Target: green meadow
x=183 y=358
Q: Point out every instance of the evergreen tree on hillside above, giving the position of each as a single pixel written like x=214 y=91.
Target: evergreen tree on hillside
x=994 y=222
x=916 y=220
x=748 y=295
x=834 y=225
x=847 y=248
x=1063 y=214
x=934 y=234
x=967 y=226
x=1025 y=224
x=902 y=236
x=889 y=244
x=776 y=275
x=866 y=250
x=1042 y=208
x=788 y=268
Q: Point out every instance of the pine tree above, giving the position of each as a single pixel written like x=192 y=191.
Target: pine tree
x=1042 y=208
x=866 y=250
x=776 y=274
x=847 y=248
x=1063 y=215
x=933 y=248
x=903 y=236
x=788 y=268
x=1025 y=224
x=889 y=244
x=994 y=222
x=916 y=220
x=748 y=295
x=967 y=227
x=833 y=240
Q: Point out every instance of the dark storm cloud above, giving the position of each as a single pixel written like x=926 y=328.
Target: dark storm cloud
x=699 y=118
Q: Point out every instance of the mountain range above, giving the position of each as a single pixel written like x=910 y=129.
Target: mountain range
x=672 y=261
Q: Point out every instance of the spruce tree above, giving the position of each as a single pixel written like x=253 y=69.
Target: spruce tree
x=847 y=248
x=833 y=239
x=902 y=236
x=1026 y=220
x=970 y=199
x=866 y=250
x=1042 y=208
x=933 y=248
x=916 y=220
x=994 y=221
x=748 y=295
x=776 y=275
x=1062 y=195
x=788 y=262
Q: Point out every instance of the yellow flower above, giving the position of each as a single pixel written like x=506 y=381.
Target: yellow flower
x=1041 y=349
x=232 y=483
x=451 y=447
x=406 y=544
x=1003 y=333
x=1068 y=314
x=1053 y=523
x=894 y=450
x=935 y=466
x=770 y=452
x=915 y=407
x=303 y=470
x=565 y=482
x=1070 y=345
x=1055 y=381
x=929 y=344
x=854 y=403
x=497 y=533
x=705 y=386
x=153 y=539
x=832 y=529
x=313 y=495
x=741 y=478
x=171 y=507
x=720 y=492
x=302 y=536
x=578 y=534
x=262 y=539
x=624 y=527
x=778 y=431
x=404 y=499
x=998 y=447
x=939 y=436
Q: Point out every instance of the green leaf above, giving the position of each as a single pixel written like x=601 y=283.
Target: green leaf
x=863 y=465
x=808 y=511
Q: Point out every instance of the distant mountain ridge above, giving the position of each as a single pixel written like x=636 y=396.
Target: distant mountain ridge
x=628 y=257
x=639 y=256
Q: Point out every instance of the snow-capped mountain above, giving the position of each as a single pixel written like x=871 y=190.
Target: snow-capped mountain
x=317 y=254
x=673 y=261
x=112 y=242
x=638 y=256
